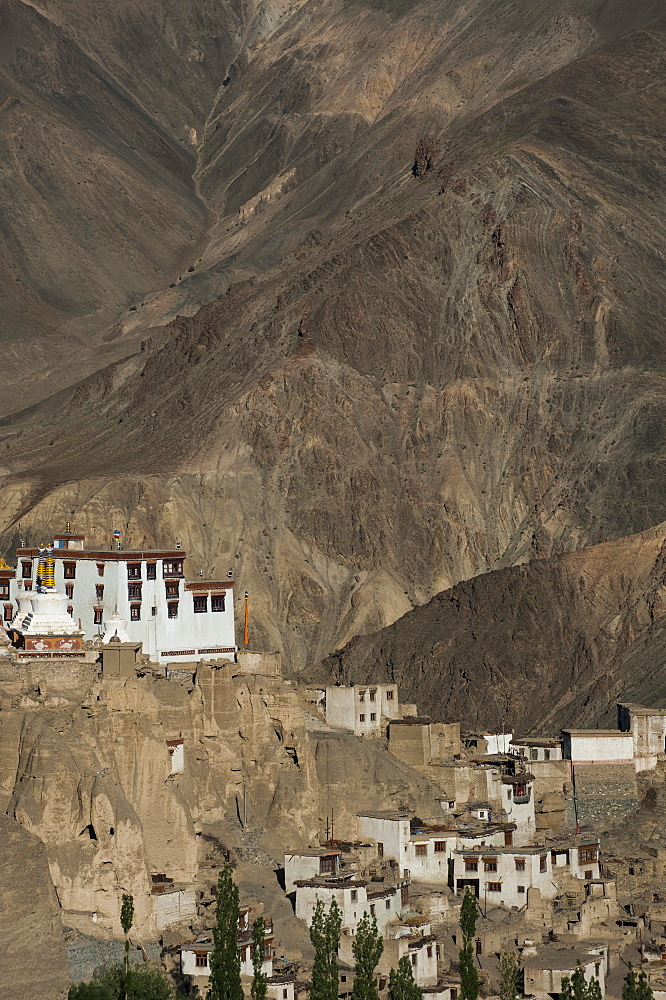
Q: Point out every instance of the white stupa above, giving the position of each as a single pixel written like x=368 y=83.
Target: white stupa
x=42 y=619
x=115 y=629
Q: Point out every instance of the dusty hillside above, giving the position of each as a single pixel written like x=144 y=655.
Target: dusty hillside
x=422 y=378
x=555 y=642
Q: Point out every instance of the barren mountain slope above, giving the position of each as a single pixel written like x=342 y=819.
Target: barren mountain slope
x=555 y=642
x=455 y=374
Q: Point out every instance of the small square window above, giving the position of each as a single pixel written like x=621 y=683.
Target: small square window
x=134 y=591
x=361 y=696
x=389 y=695
x=361 y=718
x=26 y=570
x=134 y=571
x=172 y=609
x=217 y=602
x=373 y=716
x=588 y=875
x=200 y=605
x=494 y=886
x=471 y=866
x=4 y=589
x=521 y=888
x=171 y=587
x=421 y=850
x=490 y=865
x=440 y=846
x=520 y=864
x=69 y=570
x=201 y=960
x=151 y=571
x=97 y=616
x=135 y=612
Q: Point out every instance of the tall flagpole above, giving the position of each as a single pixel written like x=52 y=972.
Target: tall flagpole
x=246 y=632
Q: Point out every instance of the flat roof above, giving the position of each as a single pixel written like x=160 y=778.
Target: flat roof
x=412 y=720
x=536 y=741
x=596 y=732
x=312 y=852
x=108 y=555
x=383 y=814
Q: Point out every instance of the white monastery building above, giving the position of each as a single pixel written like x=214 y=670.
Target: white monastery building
x=174 y=619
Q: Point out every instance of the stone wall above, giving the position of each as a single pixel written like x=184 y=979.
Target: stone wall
x=605 y=793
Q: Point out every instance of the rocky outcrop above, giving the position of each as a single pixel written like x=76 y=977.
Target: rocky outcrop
x=33 y=959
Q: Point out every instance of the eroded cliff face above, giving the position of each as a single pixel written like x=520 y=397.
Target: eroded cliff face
x=91 y=778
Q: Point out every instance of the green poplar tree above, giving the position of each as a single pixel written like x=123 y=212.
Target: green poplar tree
x=401 y=984
x=469 y=977
x=325 y=936
x=636 y=988
x=578 y=988
x=225 y=980
x=258 y=989
x=367 y=949
x=126 y=921
x=509 y=971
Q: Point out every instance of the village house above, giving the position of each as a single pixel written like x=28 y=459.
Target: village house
x=195 y=955
x=648 y=732
x=447 y=988
x=537 y=748
x=503 y=875
x=363 y=708
x=380 y=899
x=588 y=746
x=174 y=619
x=409 y=938
x=417 y=741
x=308 y=863
x=173 y=903
x=546 y=967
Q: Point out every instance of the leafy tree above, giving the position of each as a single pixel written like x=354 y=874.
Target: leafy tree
x=636 y=988
x=469 y=977
x=509 y=972
x=325 y=936
x=258 y=990
x=401 y=984
x=225 y=980
x=367 y=949
x=578 y=988
x=126 y=921
x=146 y=983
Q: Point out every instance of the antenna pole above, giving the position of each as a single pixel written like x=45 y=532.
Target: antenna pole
x=246 y=630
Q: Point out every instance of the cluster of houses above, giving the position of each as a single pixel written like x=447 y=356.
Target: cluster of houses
x=516 y=813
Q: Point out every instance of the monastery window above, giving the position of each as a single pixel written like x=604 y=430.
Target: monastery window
x=520 y=864
x=97 y=616
x=69 y=570
x=546 y=755
x=134 y=591
x=388 y=904
x=521 y=889
x=373 y=717
x=471 y=865
x=133 y=571
x=4 y=590
x=99 y=591
x=508 y=838
x=151 y=571
x=267 y=950
x=171 y=587
x=70 y=609
x=69 y=590
x=543 y=863
x=588 y=875
x=534 y=754
x=452 y=804
x=361 y=696
x=217 y=602
x=421 y=850
x=490 y=865
x=361 y=718
x=135 y=612
x=9 y=612
x=520 y=790
x=372 y=909
x=389 y=695
x=172 y=567
x=153 y=611
x=201 y=959
x=587 y=854
x=26 y=570
x=172 y=609
x=343 y=979
x=201 y=605
x=354 y=895
x=327 y=864
x=494 y=886
x=100 y=569
x=440 y=846
x=404 y=895
x=373 y=696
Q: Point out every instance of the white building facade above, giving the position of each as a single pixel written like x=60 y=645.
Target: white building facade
x=175 y=620
x=362 y=708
